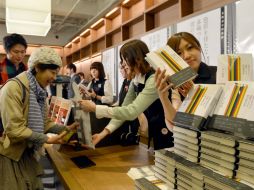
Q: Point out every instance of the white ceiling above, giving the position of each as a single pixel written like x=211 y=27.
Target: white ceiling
x=69 y=18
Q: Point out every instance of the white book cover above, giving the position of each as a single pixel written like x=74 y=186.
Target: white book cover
x=237 y=100
x=234 y=67
x=166 y=58
x=201 y=99
x=64 y=112
x=56 y=109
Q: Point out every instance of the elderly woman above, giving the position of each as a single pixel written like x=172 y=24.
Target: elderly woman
x=23 y=115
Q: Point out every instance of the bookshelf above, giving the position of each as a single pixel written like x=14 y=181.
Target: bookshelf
x=132 y=19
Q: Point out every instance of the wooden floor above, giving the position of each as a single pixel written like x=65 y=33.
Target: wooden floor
x=112 y=164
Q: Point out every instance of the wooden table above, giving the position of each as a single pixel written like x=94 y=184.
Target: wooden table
x=112 y=164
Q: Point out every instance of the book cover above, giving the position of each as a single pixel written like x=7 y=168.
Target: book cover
x=64 y=112
x=51 y=106
x=197 y=106
x=233 y=112
x=234 y=67
x=56 y=109
x=166 y=58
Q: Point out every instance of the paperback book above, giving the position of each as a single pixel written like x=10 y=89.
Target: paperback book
x=197 y=106
x=234 y=111
x=176 y=68
x=51 y=106
x=64 y=111
x=234 y=67
x=56 y=109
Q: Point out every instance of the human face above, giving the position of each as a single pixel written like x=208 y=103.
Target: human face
x=95 y=73
x=190 y=54
x=123 y=71
x=46 y=77
x=16 y=54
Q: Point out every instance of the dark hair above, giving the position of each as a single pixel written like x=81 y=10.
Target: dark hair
x=73 y=67
x=81 y=74
x=12 y=40
x=174 y=40
x=134 y=53
x=99 y=67
x=44 y=67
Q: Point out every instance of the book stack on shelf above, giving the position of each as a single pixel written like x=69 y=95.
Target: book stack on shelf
x=234 y=67
x=234 y=111
x=245 y=171
x=187 y=143
x=190 y=175
x=216 y=181
x=166 y=159
x=219 y=152
x=176 y=68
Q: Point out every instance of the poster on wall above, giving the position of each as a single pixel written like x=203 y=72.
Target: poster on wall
x=156 y=39
x=244 y=26
x=109 y=61
x=209 y=29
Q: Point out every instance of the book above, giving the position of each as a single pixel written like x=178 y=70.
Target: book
x=140 y=172
x=187 y=132
x=246 y=163
x=233 y=112
x=246 y=145
x=193 y=147
x=234 y=67
x=64 y=112
x=197 y=106
x=176 y=68
x=244 y=176
x=187 y=156
x=151 y=183
x=181 y=136
x=186 y=150
x=218 y=147
x=219 y=138
x=51 y=106
x=223 y=163
x=247 y=170
x=217 y=168
x=246 y=155
x=218 y=154
x=225 y=183
x=57 y=106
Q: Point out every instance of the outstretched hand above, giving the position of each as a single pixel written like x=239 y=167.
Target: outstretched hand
x=87 y=105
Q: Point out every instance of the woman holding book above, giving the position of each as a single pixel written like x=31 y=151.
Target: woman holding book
x=188 y=47
x=141 y=97
x=23 y=115
x=99 y=89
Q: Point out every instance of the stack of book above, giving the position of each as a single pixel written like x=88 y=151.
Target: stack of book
x=215 y=181
x=197 y=106
x=190 y=175
x=166 y=58
x=168 y=173
x=218 y=152
x=234 y=111
x=246 y=162
x=187 y=143
x=234 y=67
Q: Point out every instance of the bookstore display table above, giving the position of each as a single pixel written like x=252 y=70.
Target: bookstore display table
x=110 y=172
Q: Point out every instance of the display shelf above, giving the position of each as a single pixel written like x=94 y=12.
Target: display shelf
x=114 y=37
x=98 y=45
x=133 y=27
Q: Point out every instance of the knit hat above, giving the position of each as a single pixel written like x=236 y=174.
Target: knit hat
x=44 y=55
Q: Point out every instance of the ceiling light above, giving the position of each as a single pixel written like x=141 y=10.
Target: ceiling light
x=28 y=17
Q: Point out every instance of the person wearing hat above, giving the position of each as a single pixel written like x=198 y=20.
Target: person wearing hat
x=25 y=123
x=15 y=47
